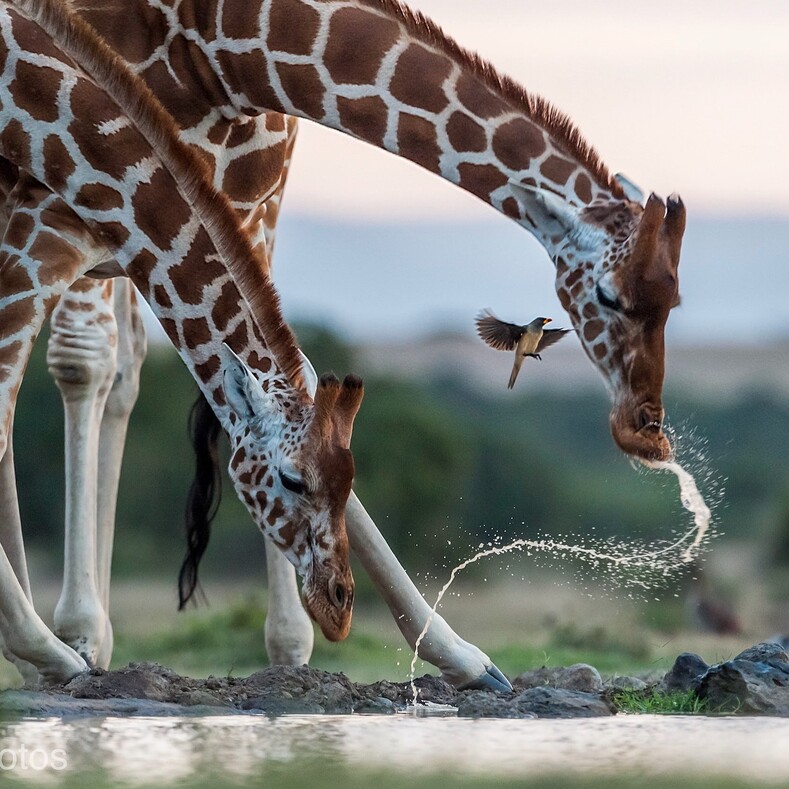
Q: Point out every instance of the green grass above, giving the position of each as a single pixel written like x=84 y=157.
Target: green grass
x=652 y=702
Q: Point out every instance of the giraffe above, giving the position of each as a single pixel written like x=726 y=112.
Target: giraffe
x=376 y=71
x=290 y=462
x=384 y=74
x=288 y=633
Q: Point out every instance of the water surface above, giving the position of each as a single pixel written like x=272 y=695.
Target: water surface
x=168 y=751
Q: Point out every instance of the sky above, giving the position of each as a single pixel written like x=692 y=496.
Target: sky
x=682 y=95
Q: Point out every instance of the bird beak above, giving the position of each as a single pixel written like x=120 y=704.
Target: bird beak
x=547 y=320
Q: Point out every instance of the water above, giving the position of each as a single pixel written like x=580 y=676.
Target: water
x=692 y=501
x=223 y=750
x=647 y=567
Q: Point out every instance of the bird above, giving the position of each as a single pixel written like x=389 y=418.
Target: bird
x=527 y=340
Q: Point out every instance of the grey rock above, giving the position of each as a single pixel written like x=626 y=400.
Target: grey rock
x=377 y=706
x=782 y=639
x=685 y=674
x=765 y=653
x=542 y=702
x=483 y=704
x=560 y=703
x=756 y=682
x=580 y=677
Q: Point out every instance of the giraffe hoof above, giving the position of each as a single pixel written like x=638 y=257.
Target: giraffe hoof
x=491 y=679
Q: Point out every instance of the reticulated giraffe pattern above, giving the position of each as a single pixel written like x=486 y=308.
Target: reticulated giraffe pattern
x=369 y=68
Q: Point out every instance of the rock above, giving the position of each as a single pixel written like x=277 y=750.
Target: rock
x=376 y=706
x=484 y=704
x=542 y=702
x=194 y=698
x=561 y=703
x=618 y=684
x=685 y=673
x=781 y=639
x=766 y=652
x=756 y=682
x=580 y=676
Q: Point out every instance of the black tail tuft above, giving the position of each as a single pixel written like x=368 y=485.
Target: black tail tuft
x=204 y=497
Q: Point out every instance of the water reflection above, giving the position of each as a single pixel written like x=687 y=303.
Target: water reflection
x=166 y=750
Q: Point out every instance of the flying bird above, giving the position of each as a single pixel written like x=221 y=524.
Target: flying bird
x=526 y=340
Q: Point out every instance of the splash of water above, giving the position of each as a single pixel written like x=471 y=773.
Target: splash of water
x=692 y=501
x=645 y=568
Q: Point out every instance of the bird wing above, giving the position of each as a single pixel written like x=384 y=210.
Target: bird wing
x=549 y=337
x=498 y=334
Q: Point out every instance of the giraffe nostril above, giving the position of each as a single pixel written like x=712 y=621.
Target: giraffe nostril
x=648 y=420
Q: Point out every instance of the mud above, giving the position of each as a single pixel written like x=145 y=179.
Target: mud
x=754 y=682
x=151 y=689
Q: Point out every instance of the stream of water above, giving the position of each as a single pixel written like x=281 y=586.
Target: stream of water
x=646 y=567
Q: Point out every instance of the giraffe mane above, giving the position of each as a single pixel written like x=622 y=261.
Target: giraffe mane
x=555 y=122
x=246 y=265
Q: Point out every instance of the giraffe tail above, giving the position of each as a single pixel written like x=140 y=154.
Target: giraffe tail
x=204 y=496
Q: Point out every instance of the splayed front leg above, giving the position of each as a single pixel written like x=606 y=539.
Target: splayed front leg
x=461 y=663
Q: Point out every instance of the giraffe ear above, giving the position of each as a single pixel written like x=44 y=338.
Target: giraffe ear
x=555 y=219
x=310 y=376
x=632 y=192
x=244 y=393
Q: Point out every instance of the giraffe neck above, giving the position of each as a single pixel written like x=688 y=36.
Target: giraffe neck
x=132 y=204
x=376 y=71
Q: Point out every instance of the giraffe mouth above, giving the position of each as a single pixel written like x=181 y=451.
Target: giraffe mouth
x=639 y=432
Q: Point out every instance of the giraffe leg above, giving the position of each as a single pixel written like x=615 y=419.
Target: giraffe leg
x=120 y=402
x=36 y=266
x=462 y=664
x=12 y=543
x=82 y=357
x=289 y=633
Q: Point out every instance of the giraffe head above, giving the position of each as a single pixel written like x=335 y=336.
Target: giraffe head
x=616 y=275
x=291 y=464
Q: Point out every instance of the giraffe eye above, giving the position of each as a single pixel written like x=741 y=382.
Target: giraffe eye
x=604 y=299
x=292 y=484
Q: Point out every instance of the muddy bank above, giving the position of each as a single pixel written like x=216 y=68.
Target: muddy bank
x=151 y=689
x=754 y=682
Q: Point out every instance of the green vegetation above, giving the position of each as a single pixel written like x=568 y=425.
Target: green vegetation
x=652 y=702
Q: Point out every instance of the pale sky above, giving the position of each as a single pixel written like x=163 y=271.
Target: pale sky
x=681 y=95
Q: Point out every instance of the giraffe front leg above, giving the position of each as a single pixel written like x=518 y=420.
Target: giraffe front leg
x=82 y=357
x=289 y=633
x=36 y=267
x=13 y=544
x=114 y=424
x=461 y=663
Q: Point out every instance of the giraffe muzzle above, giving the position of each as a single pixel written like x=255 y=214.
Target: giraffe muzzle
x=639 y=431
x=328 y=599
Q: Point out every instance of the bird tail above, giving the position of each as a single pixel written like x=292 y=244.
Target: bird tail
x=513 y=375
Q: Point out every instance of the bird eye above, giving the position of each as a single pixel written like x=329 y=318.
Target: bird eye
x=607 y=301
x=292 y=484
